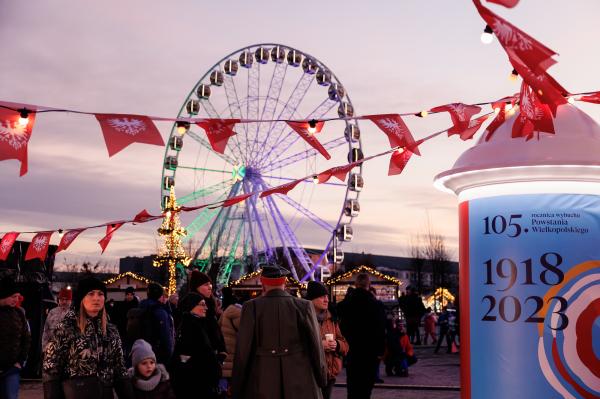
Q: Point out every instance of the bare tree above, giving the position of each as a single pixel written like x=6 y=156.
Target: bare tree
x=437 y=254
x=417 y=260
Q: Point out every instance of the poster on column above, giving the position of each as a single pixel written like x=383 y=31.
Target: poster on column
x=534 y=296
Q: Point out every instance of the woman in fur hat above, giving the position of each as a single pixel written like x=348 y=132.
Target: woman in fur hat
x=84 y=359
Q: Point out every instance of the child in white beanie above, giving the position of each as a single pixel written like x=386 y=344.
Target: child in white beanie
x=150 y=379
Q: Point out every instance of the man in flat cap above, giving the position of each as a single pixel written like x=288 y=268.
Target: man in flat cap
x=279 y=353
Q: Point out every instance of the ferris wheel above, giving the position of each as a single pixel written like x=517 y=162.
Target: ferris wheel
x=265 y=82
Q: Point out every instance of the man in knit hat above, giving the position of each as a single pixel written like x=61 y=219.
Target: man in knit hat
x=15 y=339
x=55 y=316
x=278 y=332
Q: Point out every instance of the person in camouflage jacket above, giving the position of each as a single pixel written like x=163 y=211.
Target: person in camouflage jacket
x=74 y=357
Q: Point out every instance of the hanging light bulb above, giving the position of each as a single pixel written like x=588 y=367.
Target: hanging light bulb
x=571 y=100
x=312 y=126
x=497 y=110
x=168 y=214
x=400 y=150
x=513 y=75
x=508 y=106
x=422 y=114
x=315 y=179
x=182 y=127
x=488 y=35
x=60 y=234
x=23 y=117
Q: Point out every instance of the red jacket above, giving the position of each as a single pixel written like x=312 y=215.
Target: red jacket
x=334 y=359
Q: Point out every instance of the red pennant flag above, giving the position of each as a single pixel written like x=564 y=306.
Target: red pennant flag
x=218 y=132
x=143 y=217
x=14 y=137
x=110 y=229
x=591 y=98
x=505 y=3
x=548 y=90
x=395 y=129
x=398 y=161
x=68 y=238
x=121 y=130
x=461 y=115
x=302 y=129
x=39 y=246
x=339 y=172
x=282 y=189
x=234 y=200
x=499 y=105
x=517 y=43
x=534 y=115
x=193 y=208
x=473 y=127
x=7 y=243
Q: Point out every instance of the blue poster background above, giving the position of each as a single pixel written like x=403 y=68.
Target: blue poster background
x=504 y=354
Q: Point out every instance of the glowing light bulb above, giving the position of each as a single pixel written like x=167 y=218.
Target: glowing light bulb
x=182 y=127
x=168 y=214
x=488 y=35
x=508 y=106
x=60 y=233
x=513 y=75
x=23 y=117
x=400 y=150
x=312 y=126
x=497 y=110
x=315 y=179
x=423 y=114
x=571 y=100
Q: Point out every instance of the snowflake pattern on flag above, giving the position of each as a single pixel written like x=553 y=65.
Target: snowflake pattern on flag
x=69 y=237
x=5 y=245
x=528 y=106
x=128 y=126
x=511 y=38
x=39 y=243
x=459 y=109
x=392 y=125
x=14 y=134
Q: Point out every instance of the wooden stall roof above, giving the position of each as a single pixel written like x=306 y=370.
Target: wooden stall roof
x=349 y=276
x=132 y=275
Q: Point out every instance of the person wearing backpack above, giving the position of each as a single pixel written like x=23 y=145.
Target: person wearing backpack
x=153 y=323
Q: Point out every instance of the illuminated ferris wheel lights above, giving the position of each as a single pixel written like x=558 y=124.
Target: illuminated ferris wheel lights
x=513 y=75
x=315 y=179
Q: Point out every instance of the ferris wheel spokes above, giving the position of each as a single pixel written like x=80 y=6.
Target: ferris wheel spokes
x=207 y=145
x=300 y=156
x=313 y=217
x=290 y=107
x=280 y=147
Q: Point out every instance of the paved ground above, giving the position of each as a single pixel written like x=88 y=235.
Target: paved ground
x=431 y=370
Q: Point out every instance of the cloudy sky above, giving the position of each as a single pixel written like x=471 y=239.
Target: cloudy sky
x=145 y=56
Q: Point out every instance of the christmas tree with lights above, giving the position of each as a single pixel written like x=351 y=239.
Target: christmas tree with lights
x=171 y=253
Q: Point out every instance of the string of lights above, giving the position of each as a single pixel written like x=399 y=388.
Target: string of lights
x=362 y=269
x=184 y=123
x=312 y=177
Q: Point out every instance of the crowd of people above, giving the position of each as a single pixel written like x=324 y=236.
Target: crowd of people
x=202 y=346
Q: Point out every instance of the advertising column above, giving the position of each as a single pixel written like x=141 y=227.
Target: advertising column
x=531 y=296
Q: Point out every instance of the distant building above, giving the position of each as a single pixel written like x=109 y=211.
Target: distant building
x=143 y=266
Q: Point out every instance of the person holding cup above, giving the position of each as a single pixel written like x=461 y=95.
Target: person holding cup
x=334 y=343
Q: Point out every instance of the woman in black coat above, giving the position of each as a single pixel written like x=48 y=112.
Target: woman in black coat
x=196 y=367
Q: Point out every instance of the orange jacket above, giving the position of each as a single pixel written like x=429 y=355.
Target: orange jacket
x=406 y=345
x=334 y=359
